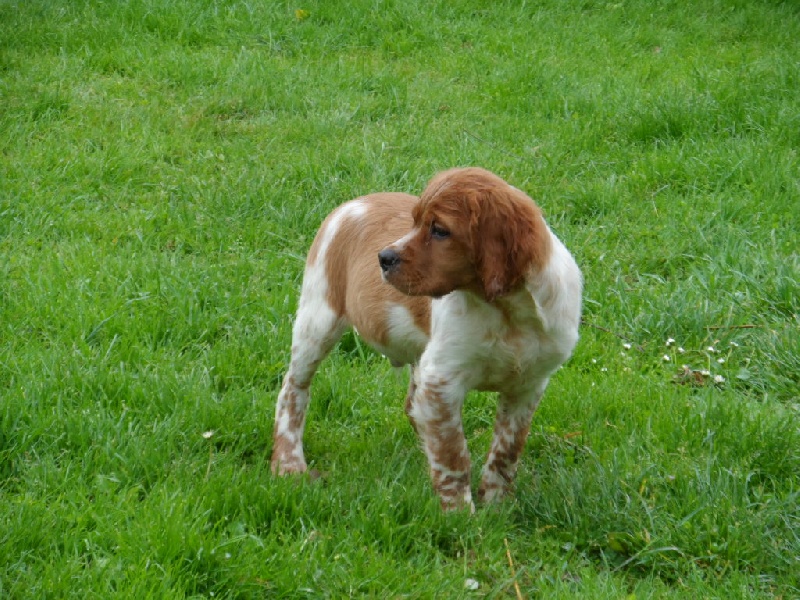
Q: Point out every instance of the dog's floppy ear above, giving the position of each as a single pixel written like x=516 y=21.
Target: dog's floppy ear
x=509 y=238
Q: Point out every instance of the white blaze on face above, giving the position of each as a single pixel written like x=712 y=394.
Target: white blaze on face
x=399 y=246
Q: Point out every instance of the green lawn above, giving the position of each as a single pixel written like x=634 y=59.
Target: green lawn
x=164 y=165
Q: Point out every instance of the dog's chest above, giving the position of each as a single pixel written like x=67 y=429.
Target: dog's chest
x=490 y=347
x=508 y=360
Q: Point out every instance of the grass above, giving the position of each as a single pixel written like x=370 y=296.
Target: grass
x=165 y=164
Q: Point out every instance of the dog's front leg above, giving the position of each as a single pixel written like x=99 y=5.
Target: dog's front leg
x=436 y=413
x=412 y=390
x=512 y=424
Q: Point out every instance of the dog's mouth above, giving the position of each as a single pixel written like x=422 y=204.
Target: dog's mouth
x=409 y=287
x=405 y=280
x=392 y=272
x=393 y=278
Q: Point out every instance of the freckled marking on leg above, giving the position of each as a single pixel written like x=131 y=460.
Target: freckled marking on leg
x=445 y=446
x=287 y=449
x=450 y=449
x=459 y=497
x=501 y=465
x=288 y=409
x=286 y=457
x=450 y=485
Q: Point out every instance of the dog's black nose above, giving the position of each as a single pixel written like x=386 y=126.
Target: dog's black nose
x=388 y=259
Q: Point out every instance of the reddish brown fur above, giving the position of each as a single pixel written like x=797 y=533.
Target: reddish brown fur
x=497 y=237
x=355 y=287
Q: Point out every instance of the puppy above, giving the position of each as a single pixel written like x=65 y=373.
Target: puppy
x=468 y=285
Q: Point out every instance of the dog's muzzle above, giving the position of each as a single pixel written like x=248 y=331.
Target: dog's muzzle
x=389 y=260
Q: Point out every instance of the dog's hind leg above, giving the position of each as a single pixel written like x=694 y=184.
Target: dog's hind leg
x=316 y=330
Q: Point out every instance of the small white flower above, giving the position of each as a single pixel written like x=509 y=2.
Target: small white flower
x=207 y=434
x=681 y=350
x=720 y=360
x=666 y=358
x=705 y=373
x=734 y=345
x=471 y=584
x=626 y=345
x=719 y=379
x=603 y=369
x=711 y=349
x=227 y=556
x=594 y=361
x=670 y=341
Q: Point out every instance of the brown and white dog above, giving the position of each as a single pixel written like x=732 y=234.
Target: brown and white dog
x=468 y=285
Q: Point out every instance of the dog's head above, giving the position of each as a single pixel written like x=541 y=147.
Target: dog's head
x=472 y=231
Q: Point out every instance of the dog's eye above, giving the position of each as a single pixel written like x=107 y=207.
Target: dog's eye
x=438 y=232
